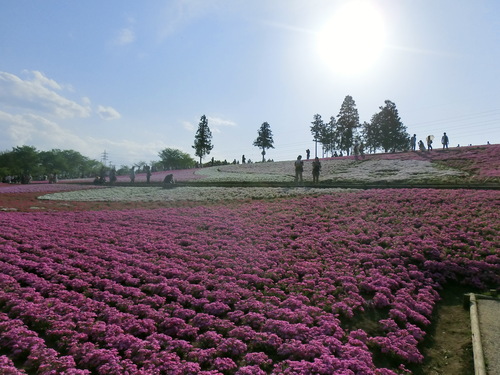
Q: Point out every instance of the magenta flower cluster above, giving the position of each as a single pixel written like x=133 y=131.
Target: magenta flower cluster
x=277 y=287
x=42 y=188
x=481 y=162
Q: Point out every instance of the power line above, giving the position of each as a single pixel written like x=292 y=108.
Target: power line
x=104 y=157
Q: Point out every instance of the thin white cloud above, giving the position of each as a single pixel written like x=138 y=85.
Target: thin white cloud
x=125 y=152
x=15 y=128
x=189 y=126
x=108 y=113
x=179 y=13
x=218 y=122
x=37 y=93
x=41 y=80
x=34 y=129
x=214 y=123
x=125 y=36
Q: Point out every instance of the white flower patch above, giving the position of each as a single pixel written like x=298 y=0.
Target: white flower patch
x=388 y=170
x=281 y=171
x=184 y=193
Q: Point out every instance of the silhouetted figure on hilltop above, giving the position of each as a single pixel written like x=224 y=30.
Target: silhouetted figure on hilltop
x=429 y=142
x=299 y=168
x=445 y=141
x=316 y=165
x=132 y=174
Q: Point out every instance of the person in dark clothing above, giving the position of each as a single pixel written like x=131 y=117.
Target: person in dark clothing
x=316 y=165
x=299 y=168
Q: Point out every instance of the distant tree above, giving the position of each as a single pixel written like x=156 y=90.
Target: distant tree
x=329 y=136
x=371 y=136
x=347 y=123
x=53 y=162
x=25 y=161
x=318 y=131
x=175 y=159
x=68 y=164
x=5 y=164
x=124 y=170
x=203 y=139
x=264 y=139
x=390 y=131
x=139 y=166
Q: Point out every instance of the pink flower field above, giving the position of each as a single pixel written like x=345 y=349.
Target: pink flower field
x=344 y=283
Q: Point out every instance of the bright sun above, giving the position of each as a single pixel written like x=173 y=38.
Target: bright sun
x=353 y=38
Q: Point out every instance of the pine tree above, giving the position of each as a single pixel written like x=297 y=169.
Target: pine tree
x=329 y=137
x=347 y=123
x=317 y=131
x=264 y=139
x=203 y=139
x=390 y=133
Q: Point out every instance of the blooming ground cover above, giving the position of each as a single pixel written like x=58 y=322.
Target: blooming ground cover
x=338 y=170
x=42 y=188
x=343 y=283
x=456 y=165
x=301 y=282
x=465 y=164
x=183 y=193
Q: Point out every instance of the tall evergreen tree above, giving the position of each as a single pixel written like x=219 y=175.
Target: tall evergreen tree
x=347 y=123
x=391 y=133
x=317 y=131
x=371 y=136
x=329 y=137
x=203 y=139
x=264 y=139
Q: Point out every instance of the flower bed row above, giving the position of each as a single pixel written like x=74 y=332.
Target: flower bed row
x=183 y=193
x=42 y=188
x=339 y=170
x=480 y=163
x=264 y=287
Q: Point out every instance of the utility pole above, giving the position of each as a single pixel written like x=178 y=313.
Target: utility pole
x=104 y=157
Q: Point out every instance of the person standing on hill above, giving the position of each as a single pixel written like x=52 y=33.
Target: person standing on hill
x=429 y=142
x=112 y=175
x=299 y=168
x=132 y=174
x=316 y=164
x=445 y=140
x=413 y=142
x=148 y=173
x=356 y=149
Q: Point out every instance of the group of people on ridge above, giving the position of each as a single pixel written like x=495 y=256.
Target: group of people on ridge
x=299 y=169
x=445 y=141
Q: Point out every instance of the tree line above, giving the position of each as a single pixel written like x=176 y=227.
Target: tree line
x=25 y=162
x=384 y=132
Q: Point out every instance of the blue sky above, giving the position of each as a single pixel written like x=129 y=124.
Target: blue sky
x=132 y=78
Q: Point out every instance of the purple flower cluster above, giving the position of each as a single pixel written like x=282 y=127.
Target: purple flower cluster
x=42 y=188
x=481 y=162
x=257 y=288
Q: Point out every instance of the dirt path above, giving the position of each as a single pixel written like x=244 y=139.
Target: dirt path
x=448 y=348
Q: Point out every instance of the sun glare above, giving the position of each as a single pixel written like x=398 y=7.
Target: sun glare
x=353 y=38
